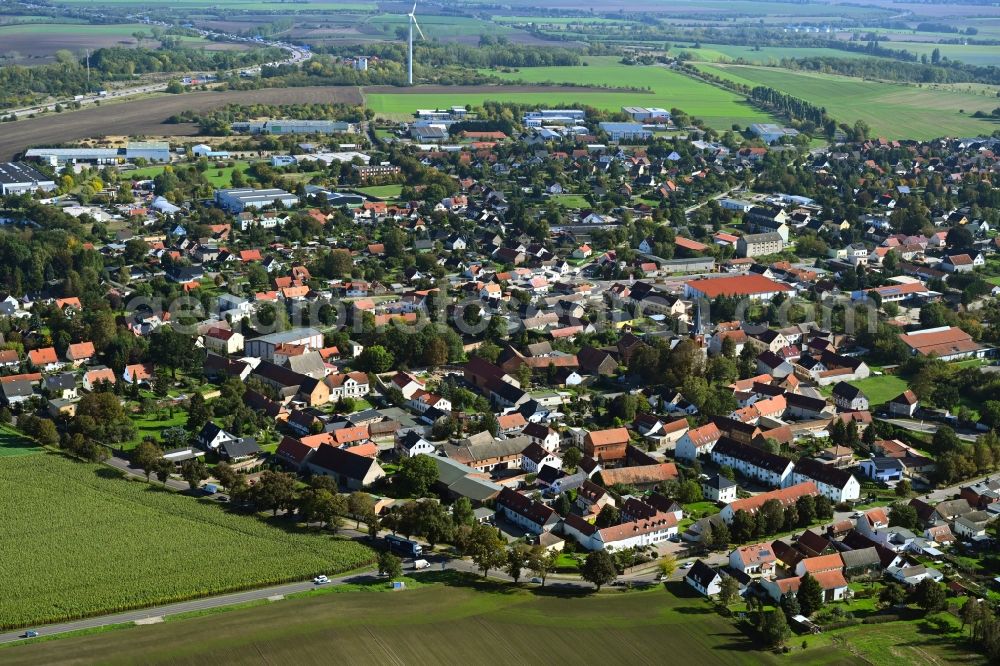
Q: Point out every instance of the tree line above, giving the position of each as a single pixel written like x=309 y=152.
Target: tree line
x=20 y=85
x=911 y=70
x=492 y=51
x=217 y=122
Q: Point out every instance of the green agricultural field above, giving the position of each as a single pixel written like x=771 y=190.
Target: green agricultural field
x=719 y=108
x=588 y=21
x=971 y=54
x=442 y=26
x=245 y=5
x=455 y=622
x=763 y=55
x=892 y=110
x=13 y=443
x=80 y=541
x=123 y=30
x=432 y=624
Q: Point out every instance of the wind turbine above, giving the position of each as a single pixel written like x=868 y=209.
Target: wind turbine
x=413 y=22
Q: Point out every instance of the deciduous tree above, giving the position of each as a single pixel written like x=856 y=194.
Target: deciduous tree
x=486 y=549
x=194 y=471
x=145 y=456
x=599 y=568
x=416 y=476
x=389 y=565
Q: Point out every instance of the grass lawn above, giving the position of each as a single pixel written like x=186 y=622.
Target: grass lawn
x=13 y=443
x=892 y=110
x=456 y=622
x=382 y=191
x=699 y=508
x=79 y=540
x=567 y=562
x=571 y=200
x=218 y=177
x=878 y=389
x=224 y=177
x=915 y=643
x=151 y=425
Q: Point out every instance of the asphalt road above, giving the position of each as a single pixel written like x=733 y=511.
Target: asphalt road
x=123 y=465
x=929 y=427
x=174 y=609
x=642 y=576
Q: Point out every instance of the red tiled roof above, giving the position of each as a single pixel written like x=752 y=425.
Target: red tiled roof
x=80 y=350
x=823 y=563
x=606 y=437
x=786 y=496
x=738 y=285
x=43 y=356
x=689 y=244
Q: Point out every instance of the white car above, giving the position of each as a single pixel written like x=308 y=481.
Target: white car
x=687 y=565
x=321 y=580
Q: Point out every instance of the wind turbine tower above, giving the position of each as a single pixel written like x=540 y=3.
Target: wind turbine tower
x=413 y=23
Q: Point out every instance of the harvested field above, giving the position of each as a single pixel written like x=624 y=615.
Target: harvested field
x=147 y=116
x=37 y=43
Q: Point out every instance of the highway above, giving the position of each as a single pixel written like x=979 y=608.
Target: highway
x=296 y=55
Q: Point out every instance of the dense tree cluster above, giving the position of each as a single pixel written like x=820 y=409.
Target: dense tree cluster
x=20 y=85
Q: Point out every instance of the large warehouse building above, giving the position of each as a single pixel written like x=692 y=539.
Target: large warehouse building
x=19 y=178
x=756 y=287
x=239 y=199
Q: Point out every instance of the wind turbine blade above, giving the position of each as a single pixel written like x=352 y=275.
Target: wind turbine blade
x=414 y=10
x=417 y=26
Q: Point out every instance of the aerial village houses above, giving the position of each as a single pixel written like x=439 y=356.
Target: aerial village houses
x=786 y=496
x=606 y=445
x=837 y=484
x=754 y=463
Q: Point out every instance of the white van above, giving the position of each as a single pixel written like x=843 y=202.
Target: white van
x=420 y=564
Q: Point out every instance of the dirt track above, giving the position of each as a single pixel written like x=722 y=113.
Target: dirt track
x=146 y=116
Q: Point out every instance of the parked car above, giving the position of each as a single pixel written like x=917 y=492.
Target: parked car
x=536 y=580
